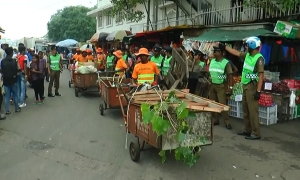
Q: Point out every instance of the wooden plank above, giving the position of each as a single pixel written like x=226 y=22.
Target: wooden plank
x=211 y=103
x=179 y=95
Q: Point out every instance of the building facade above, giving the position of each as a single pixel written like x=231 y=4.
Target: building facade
x=165 y=13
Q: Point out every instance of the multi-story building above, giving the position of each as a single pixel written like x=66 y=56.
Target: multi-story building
x=164 y=13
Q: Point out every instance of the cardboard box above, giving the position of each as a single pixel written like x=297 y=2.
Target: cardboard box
x=287 y=29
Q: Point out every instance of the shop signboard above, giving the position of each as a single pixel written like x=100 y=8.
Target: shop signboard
x=287 y=29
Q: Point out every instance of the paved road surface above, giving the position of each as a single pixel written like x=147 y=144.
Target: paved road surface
x=67 y=139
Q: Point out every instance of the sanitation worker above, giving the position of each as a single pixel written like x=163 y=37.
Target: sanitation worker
x=145 y=71
x=252 y=80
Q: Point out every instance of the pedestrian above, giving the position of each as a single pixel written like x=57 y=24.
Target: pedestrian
x=55 y=64
x=252 y=80
x=37 y=69
x=43 y=63
x=9 y=69
x=219 y=69
x=46 y=57
x=22 y=59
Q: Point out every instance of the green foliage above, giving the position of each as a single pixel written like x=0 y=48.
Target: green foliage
x=71 y=23
x=165 y=115
x=282 y=5
x=126 y=10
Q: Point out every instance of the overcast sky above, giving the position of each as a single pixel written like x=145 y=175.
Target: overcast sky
x=28 y=18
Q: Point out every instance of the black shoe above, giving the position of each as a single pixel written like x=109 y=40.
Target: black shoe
x=57 y=94
x=243 y=133
x=252 y=137
x=43 y=98
x=7 y=112
x=216 y=123
x=51 y=95
x=18 y=110
x=228 y=126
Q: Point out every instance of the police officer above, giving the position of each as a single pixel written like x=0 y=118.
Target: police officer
x=219 y=69
x=157 y=58
x=252 y=80
x=165 y=65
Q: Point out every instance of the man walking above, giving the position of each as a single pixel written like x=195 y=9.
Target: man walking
x=55 y=66
x=9 y=69
x=22 y=59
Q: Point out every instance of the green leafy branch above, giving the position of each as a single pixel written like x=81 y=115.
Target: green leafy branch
x=126 y=10
x=171 y=113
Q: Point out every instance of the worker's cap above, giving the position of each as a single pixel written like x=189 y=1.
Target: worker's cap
x=156 y=49
x=143 y=51
x=99 y=50
x=198 y=52
x=118 y=53
x=89 y=51
x=168 y=49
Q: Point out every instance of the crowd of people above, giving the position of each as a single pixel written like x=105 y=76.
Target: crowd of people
x=22 y=65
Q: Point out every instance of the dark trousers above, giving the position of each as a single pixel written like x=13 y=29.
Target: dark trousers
x=47 y=75
x=54 y=78
x=38 y=87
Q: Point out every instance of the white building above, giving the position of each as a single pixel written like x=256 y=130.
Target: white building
x=163 y=13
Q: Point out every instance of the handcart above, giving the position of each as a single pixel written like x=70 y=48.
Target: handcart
x=108 y=92
x=199 y=120
x=83 y=82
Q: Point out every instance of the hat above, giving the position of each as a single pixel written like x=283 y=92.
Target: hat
x=118 y=53
x=99 y=50
x=89 y=51
x=156 y=49
x=143 y=51
x=111 y=51
x=220 y=48
x=197 y=52
x=168 y=49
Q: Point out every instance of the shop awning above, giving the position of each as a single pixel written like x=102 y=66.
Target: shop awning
x=127 y=39
x=2 y=30
x=118 y=35
x=231 y=35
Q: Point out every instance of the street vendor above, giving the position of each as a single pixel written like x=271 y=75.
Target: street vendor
x=166 y=61
x=90 y=57
x=100 y=59
x=121 y=66
x=219 y=69
x=145 y=71
x=110 y=58
x=252 y=80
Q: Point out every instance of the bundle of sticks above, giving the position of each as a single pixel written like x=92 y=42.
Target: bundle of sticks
x=194 y=103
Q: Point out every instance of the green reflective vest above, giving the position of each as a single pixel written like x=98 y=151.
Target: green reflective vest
x=157 y=61
x=202 y=64
x=109 y=61
x=55 y=62
x=166 y=65
x=217 y=71
x=248 y=73
x=125 y=57
x=142 y=78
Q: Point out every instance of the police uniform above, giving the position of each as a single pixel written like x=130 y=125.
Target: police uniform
x=165 y=66
x=219 y=69
x=253 y=65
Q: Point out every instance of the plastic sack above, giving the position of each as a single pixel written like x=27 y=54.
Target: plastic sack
x=293 y=100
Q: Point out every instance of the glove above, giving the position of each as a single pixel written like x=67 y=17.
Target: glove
x=256 y=95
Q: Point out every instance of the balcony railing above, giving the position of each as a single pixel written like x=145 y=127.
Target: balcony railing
x=222 y=15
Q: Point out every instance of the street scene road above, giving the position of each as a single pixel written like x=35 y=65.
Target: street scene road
x=67 y=139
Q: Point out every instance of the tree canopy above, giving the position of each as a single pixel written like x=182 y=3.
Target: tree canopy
x=71 y=23
x=126 y=10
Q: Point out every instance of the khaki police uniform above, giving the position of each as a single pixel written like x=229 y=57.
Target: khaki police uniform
x=217 y=92
x=250 y=106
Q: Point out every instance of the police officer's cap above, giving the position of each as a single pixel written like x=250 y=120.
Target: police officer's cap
x=218 y=48
x=197 y=52
x=156 y=49
x=53 y=47
x=168 y=49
